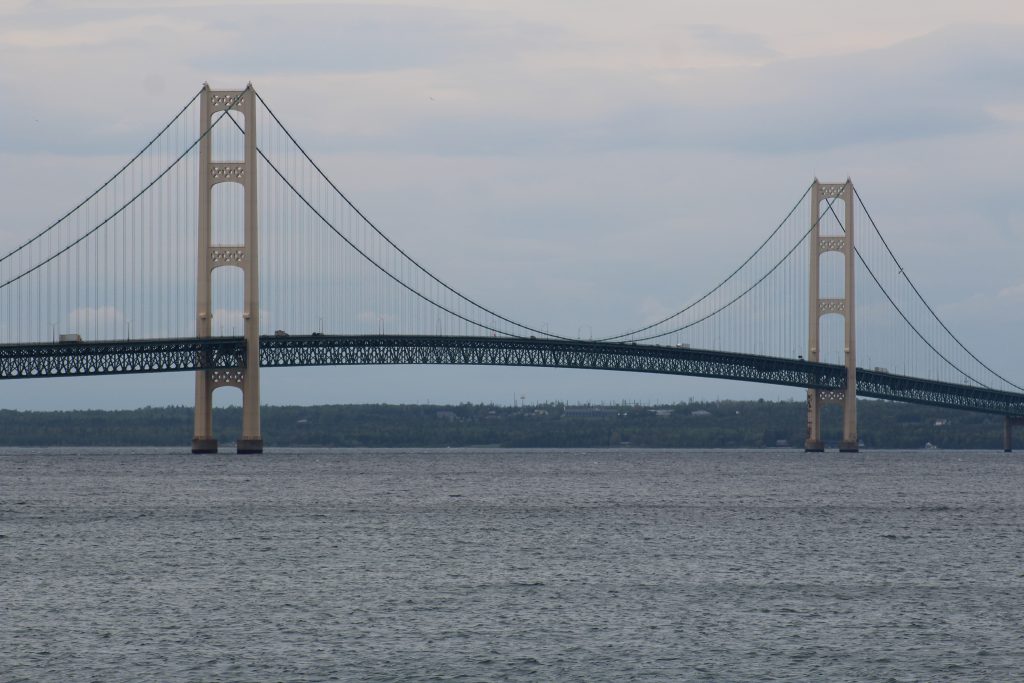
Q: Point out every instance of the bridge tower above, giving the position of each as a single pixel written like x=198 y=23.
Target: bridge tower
x=819 y=307
x=244 y=256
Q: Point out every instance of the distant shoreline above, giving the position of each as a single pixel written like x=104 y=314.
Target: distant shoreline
x=699 y=425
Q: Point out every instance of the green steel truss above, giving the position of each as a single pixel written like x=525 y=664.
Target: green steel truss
x=177 y=355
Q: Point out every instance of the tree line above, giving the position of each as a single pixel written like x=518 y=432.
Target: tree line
x=717 y=424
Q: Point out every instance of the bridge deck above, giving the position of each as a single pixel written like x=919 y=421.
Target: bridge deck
x=189 y=354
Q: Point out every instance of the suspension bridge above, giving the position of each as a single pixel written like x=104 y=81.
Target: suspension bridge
x=221 y=248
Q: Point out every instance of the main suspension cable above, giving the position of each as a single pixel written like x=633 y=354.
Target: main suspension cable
x=922 y=299
x=748 y=289
x=384 y=270
x=720 y=284
x=104 y=185
x=130 y=201
x=900 y=311
x=401 y=251
x=483 y=308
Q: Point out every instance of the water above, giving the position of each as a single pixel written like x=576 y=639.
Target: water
x=413 y=565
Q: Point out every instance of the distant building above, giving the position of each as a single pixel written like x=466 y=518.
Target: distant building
x=700 y=413
x=447 y=416
x=589 y=411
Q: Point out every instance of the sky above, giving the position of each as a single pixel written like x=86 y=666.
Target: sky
x=577 y=164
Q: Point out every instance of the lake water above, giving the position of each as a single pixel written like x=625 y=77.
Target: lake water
x=492 y=565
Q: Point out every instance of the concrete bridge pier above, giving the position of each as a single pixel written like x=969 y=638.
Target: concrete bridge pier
x=1009 y=422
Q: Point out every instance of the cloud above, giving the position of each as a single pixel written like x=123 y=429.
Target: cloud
x=376 y=38
x=91 y=34
x=390 y=79
x=721 y=40
x=954 y=82
x=1012 y=296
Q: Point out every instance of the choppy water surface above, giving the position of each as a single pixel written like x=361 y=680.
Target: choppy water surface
x=511 y=565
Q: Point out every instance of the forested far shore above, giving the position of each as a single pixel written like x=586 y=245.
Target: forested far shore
x=716 y=424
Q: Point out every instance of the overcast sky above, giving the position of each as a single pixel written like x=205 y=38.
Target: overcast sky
x=593 y=163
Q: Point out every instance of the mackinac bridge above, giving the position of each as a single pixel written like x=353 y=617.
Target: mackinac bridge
x=223 y=209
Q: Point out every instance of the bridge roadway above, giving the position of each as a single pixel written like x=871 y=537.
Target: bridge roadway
x=189 y=354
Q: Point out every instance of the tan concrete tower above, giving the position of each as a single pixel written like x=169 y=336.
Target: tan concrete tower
x=244 y=256
x=820 y=307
